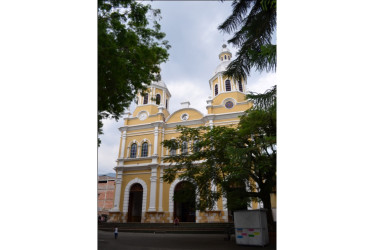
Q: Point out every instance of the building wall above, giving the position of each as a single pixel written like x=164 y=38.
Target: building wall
x=156 y=127
x=105 y=190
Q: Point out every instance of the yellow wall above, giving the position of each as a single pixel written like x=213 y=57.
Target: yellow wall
x=238 y=96
x=192 y=113
x=139 y=135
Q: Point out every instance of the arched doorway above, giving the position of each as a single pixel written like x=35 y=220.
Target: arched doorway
x=185 y=202
x=135 y=203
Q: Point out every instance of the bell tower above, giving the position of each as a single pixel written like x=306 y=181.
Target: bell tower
x=226 y=92
x=156 y=99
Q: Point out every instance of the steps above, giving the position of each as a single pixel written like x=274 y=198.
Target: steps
x=183 y=228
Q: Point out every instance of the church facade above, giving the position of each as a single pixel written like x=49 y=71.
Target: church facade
x=140 y=193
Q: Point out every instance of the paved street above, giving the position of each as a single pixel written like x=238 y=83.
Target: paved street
x=149 y=241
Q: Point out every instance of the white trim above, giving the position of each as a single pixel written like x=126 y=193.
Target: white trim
x=141 y=166
x=155 y=148
x=228 y=99
x=142 y=112
x=132 y=142
x=137 y=173
x=117 y=192
x=127 y=195
x=152 y=196
x=148 y=132
x=123 y=146
x=226 y=92
x=171 y=194
x=185 y=123
x=160 y=189
x=188 y=116
x=168 y=118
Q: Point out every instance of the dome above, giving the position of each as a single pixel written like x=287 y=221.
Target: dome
x=225 y=50
x=225 y=58
x=160 y=83
x=222 y=67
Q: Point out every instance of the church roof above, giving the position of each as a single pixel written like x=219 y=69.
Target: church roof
x=160 y=83
x=221 y=67
x=224 y=61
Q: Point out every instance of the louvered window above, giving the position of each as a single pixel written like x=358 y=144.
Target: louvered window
x=228 y=85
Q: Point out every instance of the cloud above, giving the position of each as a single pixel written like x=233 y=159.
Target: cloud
x=108 y=150
x=191 y=29
x=107 y=157
x=263 y=83
x=196 y=92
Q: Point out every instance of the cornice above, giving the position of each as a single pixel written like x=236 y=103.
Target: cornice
x=144 y=166
x=136 y=159
x=185 y=123
x=182 y=109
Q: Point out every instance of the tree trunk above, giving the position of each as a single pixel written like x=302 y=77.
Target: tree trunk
x=269 y=214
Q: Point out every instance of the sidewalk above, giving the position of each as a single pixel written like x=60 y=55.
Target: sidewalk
x=148 y=241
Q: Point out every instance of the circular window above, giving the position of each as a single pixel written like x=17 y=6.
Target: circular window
x=184 y=117
x=142 y=116
x=229 y=104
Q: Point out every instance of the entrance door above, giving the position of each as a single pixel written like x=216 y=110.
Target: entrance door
x=135 y=203
x=185 y=202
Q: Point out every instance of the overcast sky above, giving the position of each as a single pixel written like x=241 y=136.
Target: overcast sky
x=191 y=29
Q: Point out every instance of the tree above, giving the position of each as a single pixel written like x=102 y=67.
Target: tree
x=129 y=54
x=240 y=162
x=259 y=154
x=253 y=22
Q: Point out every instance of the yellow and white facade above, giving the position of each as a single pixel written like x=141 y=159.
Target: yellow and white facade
x=140 y=193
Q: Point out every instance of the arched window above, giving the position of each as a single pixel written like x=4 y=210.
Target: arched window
x=134 y=148
x=184 y=147
x=240 y=86
x=228 y=85
x=196 y=147
x=145 y=149
x=173 y=151
x=145 y=99
x=158 y=99
x=216 y=89
x=225 y=57
x=166 y=103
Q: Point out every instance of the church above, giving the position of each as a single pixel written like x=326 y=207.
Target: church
x=141 y=195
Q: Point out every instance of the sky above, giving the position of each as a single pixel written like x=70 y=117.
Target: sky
x=48 y=103
x=191 y=29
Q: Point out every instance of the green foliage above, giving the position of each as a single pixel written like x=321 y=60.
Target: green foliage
x=129 y=53
x=253 y=22
x=230 y=157
x=264 y=101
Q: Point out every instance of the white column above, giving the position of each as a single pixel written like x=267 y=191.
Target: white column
x=211 y=123
x=123 y=150
x=117 y=193
x=214 y=189
x=162 y=138
x=155 y=142
x=161 y=190
x=152 y=202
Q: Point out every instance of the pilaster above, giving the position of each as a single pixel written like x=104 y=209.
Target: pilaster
x=117 y=194
x=160 y=189
x=152 y=202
